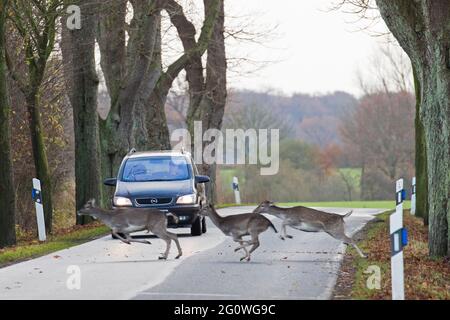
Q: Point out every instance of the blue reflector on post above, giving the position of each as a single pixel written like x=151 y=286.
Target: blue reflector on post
x=404 y=237
x=36 y=196
x=403 y=194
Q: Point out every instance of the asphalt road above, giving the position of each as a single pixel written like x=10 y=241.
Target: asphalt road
x=305 y=267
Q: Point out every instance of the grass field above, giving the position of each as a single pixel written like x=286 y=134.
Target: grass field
x=337 y=204
x=227 y=173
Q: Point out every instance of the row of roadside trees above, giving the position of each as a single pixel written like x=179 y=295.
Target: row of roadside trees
x=129 y=38
x=423 y=31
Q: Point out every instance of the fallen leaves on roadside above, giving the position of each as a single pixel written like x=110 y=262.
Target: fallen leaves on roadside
x=425 y=278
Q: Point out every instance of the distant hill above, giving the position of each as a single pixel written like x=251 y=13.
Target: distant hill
x=312 y=118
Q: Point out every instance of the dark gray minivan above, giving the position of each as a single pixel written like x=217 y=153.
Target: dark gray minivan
x=165 y=180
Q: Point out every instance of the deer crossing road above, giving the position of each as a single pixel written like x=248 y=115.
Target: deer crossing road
x=304 y=267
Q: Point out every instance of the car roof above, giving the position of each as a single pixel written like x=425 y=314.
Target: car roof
x=142 y=154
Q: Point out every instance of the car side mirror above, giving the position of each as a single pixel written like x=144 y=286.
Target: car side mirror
x=111 y=182
x=202 y=179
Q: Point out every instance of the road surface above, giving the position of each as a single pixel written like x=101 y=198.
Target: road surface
x=305 y=267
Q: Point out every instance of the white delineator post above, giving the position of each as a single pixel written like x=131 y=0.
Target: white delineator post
x=237 y=193
x=37 y=198
x=398 y=241
x=413 y=196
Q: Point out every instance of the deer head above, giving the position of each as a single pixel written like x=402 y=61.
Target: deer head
x=87 y=208
x=263 y=207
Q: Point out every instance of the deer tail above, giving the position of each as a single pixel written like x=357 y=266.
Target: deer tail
x=348 y=214
x=170 y=214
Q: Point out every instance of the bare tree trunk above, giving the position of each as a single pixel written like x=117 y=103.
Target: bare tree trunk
x=78 y=47
x=40 y=156
x=158 y=131
x=422 y=29
x=435 y=118
x=7 y=191
x=153 y=107
x=208 y=105
x=128 y=75
x=421 y=160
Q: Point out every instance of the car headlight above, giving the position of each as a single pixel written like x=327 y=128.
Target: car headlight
x=187 y=199
x=122 y=202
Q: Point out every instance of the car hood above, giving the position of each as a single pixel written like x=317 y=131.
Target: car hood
x=154 y=188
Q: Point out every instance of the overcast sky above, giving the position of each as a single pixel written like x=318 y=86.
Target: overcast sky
x=318 y=51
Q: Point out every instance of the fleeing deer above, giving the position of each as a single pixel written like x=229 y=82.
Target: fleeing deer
x=238 y=226
x=309 y=220
x=127 y=220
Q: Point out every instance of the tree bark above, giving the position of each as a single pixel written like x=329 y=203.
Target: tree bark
x=208 y=105
x=422 y=29
x=153 y=105
x=78 y=47
x=421 y=160
x=40 y=157
x=7 y=190
x=126 y=68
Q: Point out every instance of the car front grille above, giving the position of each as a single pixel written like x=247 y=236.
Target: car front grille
x=152 y=201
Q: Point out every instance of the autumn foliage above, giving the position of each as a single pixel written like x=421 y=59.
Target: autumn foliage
x=379 y=138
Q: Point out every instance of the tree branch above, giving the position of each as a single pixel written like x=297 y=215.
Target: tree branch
x=406 y=22
x=22 y=85
x=190 y=52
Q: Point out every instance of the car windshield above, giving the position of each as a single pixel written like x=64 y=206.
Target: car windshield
x=156 y=169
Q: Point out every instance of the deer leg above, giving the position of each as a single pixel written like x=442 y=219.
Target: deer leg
x=115 y=234
x=255 y=242
x=242 y=243
x=130 y=239
x=340 y=235
x=287 y=235
x=247 y=254
x=283 y=234
x=174 y=237
x=361 y=254
x=166 y=254
x=167 y=237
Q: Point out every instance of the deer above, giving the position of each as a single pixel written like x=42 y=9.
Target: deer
x=127 y=220
x=309 y=220
x=238 y=226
